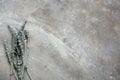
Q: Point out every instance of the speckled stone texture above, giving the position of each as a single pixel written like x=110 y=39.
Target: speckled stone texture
x=69 y=39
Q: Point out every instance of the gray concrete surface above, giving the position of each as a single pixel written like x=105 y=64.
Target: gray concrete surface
x=69 y=39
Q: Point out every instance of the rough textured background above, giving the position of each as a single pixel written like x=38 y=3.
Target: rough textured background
x=69 y=39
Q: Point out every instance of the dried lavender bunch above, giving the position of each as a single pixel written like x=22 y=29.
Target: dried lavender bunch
x=17 y=54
